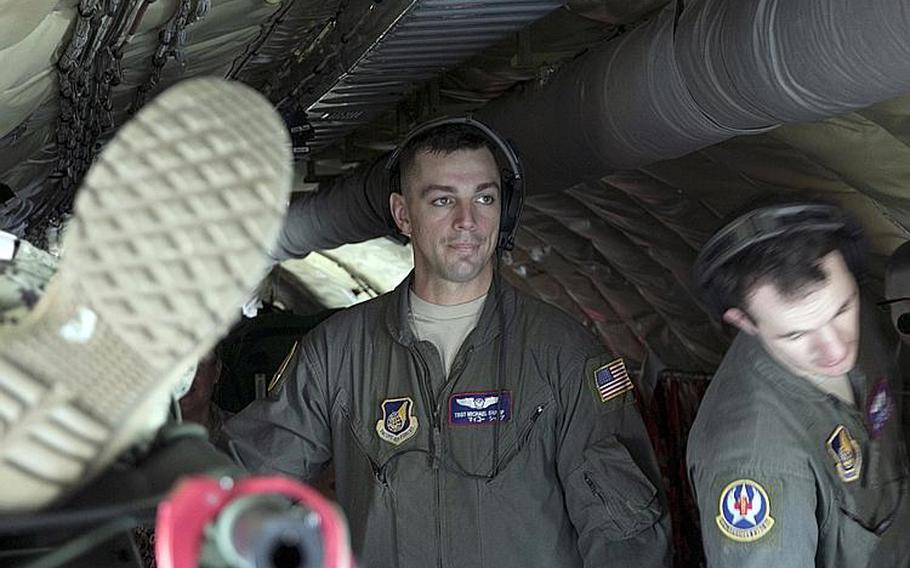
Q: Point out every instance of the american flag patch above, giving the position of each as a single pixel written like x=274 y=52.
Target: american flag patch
x=612 y=380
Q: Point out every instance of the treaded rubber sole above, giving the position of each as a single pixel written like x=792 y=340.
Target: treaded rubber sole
x=170 y=234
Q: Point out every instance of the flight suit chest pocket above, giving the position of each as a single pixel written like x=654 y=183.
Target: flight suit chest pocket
x=864 y=494
x=610 y=491
x=395 y=427
x=862 y=515
x=855 y=543
x=528 y=428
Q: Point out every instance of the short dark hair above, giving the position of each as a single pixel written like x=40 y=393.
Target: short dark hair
x=791 y=263
x=444 y=139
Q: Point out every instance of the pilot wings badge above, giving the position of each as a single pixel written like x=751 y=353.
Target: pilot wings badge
x=398 y=420
x=477 y=403
x=745 y=511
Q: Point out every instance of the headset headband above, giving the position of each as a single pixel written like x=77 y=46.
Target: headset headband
x=512 y=189
x=767 y=223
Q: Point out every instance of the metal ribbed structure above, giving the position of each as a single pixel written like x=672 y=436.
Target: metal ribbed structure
x=427 y=38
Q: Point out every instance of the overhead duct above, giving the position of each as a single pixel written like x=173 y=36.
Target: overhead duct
x=688 y=80
x=352 y=209
x=681 y=82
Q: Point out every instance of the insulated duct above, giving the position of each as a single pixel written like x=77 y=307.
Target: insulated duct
x=685 y=80
x=352 y=209
x=691 y=79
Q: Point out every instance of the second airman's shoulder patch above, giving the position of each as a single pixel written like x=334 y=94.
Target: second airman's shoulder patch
x=745 y=511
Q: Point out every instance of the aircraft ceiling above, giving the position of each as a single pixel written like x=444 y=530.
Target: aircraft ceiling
x=615 y=252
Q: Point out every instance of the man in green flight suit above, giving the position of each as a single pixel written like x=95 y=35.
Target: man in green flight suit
x=796 y=456
x=469 y=424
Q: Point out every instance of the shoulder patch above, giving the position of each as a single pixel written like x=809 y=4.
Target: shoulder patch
x=611 y=380
x=398 y=421
x=745 y=511
x=847 y=454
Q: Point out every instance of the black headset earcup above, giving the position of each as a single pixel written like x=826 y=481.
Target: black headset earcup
x=903 y=324
x=785 y=220
x=513 y=193
x=508 y=216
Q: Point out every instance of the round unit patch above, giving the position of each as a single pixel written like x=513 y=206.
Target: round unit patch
x=745 y=511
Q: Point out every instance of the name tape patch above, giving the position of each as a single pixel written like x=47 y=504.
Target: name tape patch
x=478 y=408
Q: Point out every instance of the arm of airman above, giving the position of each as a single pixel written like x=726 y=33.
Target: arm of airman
x=752 y=516
x=609 y=470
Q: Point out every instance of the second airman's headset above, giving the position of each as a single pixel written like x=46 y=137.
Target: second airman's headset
x=788 y=221
x=897 y=288
x=512 y=173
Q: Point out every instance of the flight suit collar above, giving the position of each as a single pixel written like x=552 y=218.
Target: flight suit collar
x=498 y=307
x=770 y=370
x=873 y=368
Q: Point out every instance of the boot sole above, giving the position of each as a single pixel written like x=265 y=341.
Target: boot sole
x=170 y=234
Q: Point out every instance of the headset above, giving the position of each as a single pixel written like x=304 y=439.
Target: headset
x=789 y=220
x=512 y=176
x=903 y=324
x=903 y=320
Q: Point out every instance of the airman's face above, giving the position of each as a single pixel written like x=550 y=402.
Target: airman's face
x=451 y=212
x=816 y=333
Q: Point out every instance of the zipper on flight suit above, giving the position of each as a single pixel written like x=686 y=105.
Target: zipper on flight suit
x=434 y=406
x=426 y=389
x=595 y=489
x=523 y=435
x=458 y=366
x=426 y=393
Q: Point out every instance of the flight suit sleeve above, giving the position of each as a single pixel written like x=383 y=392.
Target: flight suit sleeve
x=306 y=228
x=296 y=234
x=753 y=516
x=613 y=486
x=290 y=434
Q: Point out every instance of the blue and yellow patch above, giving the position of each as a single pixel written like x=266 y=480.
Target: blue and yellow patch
x=398 y=422
x=745 y=511
x=847 y=454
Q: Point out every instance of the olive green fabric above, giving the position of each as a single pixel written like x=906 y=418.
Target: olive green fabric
x=566 y=480
x=760 y=423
